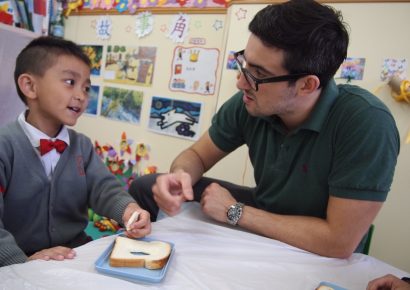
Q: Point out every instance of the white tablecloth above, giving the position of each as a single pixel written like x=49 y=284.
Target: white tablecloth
x=208 y=255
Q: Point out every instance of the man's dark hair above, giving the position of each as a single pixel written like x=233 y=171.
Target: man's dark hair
x=42 y=53
x=313 y=36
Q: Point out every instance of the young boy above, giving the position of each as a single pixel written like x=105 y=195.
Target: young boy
x=46 y=188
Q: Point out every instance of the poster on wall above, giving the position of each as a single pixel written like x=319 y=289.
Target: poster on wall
x=94 y=53
x=175 y=118
x=92 y=107
x=194 y=70
x=130 y=65
x=121 y=104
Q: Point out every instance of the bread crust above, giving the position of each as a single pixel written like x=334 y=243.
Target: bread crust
x=139 y=261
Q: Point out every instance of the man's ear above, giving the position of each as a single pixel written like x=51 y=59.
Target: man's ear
x=26 y=83
x=309 y=84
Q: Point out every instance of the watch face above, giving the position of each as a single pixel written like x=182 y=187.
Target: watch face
x=233 y=213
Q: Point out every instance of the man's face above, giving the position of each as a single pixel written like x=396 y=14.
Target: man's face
x=276 y=98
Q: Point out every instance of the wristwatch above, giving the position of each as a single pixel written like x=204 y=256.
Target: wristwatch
x=234 y=213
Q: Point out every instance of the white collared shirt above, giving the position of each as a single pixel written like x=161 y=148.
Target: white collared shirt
x=50 y=159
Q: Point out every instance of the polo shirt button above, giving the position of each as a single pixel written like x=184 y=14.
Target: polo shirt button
x=53 y=229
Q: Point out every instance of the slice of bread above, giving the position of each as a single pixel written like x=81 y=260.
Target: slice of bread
x=135 y=253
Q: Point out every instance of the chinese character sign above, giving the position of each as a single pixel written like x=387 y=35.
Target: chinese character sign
x=179 y=28
x=103 y=28
x=144 y=24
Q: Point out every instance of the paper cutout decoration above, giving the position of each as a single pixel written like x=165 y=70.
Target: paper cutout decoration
x=241 y=14
x=393 y=66
x=103 y=28
x=194 y=70
x=125 y=144
x=179 y=28
x=122 y=5
x=175 y=118
x=144 y=24
x=218 y=24
x=352 y=68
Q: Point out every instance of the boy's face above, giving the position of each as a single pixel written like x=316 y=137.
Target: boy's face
x=60 y=96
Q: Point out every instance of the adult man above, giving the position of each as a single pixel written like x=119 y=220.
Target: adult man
x=323 y=155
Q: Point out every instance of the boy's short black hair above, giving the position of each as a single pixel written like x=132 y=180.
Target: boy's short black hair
x=313 y=36
x=41 y=53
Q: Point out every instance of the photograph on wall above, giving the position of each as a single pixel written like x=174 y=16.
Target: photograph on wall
x=194 y=70
x=94 y=53
x=175 y=118
x=231 y=62
x=121 y=104
x=130 y=65
x=352 y=68
x=92 y=107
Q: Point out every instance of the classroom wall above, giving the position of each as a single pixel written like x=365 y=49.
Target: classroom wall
x=377 y=32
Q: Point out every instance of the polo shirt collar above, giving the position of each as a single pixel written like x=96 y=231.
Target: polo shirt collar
x=321 y=110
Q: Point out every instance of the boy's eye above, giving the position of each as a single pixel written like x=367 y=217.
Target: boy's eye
x=70 y=82
x=87 y=89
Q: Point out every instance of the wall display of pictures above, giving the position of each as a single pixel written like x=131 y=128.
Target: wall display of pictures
x=130 y=65
x=175 y=118
x=94 y=53
x=121 y=104
x=392 y=67
x=93 y=94
x=194 y=70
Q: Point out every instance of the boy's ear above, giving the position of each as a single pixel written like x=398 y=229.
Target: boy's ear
x=26 y=83
x=309 y=84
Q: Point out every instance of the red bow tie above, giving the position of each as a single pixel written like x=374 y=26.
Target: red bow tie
x=46 y=145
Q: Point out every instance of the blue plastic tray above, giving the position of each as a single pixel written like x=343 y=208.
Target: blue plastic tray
x=132 y=274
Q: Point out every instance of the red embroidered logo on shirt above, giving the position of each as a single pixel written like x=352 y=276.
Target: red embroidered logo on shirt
x=2 y=190
x=305 y=168
x=80 y=165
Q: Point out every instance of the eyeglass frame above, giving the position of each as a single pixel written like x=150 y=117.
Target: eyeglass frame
x=258 y=81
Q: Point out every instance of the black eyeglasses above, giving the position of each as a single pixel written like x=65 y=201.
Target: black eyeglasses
x=254 y=81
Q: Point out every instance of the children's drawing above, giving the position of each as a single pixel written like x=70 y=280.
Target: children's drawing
x=393 y=66
x=194 y=70
x=94 y=53
x=352 y=68
x=130 y=65
x=93 y=100
x=122 y=104
x=175 y=118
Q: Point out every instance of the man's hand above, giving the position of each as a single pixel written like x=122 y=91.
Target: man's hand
x=171 y=190
x=388 y=282
x=140 y=227
x=57 y=253
x=215 y=202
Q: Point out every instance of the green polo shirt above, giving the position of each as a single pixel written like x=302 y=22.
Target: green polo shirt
x=347 y=148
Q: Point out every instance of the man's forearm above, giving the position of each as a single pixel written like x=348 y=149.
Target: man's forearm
x=189 y=162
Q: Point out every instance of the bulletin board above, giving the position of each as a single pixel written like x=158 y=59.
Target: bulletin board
x=155 y=77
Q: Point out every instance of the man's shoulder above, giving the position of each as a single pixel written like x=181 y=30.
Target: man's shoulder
x=352 y=95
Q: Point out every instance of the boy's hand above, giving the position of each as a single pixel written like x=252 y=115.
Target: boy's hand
x=57 y=253
x=141 y=226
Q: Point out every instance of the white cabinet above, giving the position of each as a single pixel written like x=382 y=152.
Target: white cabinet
x=12 y=41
